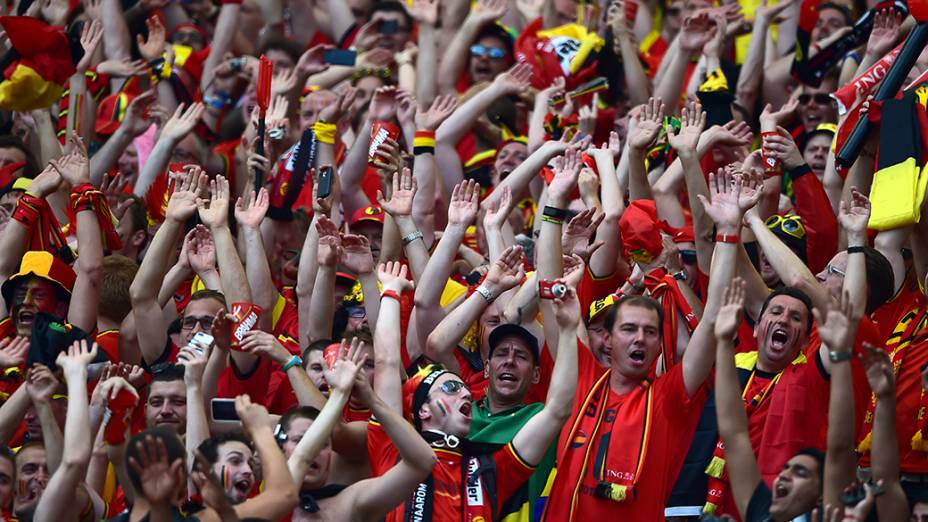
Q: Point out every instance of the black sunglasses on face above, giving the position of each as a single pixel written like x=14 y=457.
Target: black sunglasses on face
x=820 y=99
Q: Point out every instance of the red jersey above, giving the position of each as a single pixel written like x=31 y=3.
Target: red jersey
x=444 y=496
x=108 y=341
x=350 y=414
x=633 y=444
x=285 y=324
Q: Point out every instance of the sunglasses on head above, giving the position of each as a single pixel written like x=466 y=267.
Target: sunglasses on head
x=495 y=53
x=820 y=99
x=791 y=225
x=205 y=322
x=451 y=387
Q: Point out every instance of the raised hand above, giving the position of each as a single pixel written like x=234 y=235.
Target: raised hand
x=312 y=61
x=264 y=344
x=498 y=210
x=771 y=119
x=515 y=80
x=356 y=254
x=41 y=384
x=465 y=200
x=111 y=385
x=404 y=191
x=183 y=202
x=692 y=123
x=696 y=32
x=383 y=104
x=91 y=34
x=724 y=209
x=45 y=183
x=254 y=416
x=77 y=357
x=341 y=375
x=885 y=32
x=506 y=272
x=835 y=327
x=200 y=250
x=752 y=188
x=648 y=123
x=152 y=48
x=854 y=215
x=74 y=167
x=330 y=243
x=137 y=119
x=488 y=11
x=214 y=212
x=565 y=176
x=442 y=107
x=574 y=268
x=782 y=147
x=160 y=478
x=182 y=122
x=334 y=112
x=13 y=352
x=880 y=373
x=729 y=317
x=575 y=239
x=567 y=307
x=123 y=68
x=252 y=215
x=588 y=115
x=392 y=276
x=193 y=358
x=423 y=11
x=387 y=160
x=714 y=46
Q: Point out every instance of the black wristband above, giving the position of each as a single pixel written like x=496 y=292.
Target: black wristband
x=799 y=171
x=554 y=212
x=855 y=250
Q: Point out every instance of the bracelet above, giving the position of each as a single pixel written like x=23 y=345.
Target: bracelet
x=855 y=250
x=727 y=238
x=423 y=142
x=799 y=171
x=554 y=212
x=412 y=236
x=837 y=357
x=548 y=219
x=295 y=360
x=325 y=132
x=391 y=294
x=485 y=293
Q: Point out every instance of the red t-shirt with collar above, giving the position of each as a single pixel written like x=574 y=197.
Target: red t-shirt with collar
x=108 y=341
x=449 y=491
x=675 y=414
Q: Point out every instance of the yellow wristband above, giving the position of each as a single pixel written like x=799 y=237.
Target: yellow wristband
x=325 y=132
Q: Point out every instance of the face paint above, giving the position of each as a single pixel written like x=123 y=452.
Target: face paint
x=226 y=477
x=22 y=488
x=442 y=407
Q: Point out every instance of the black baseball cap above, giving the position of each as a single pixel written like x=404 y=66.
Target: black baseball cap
x=513 y=330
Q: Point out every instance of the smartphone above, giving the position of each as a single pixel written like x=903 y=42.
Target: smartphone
x=551 y=289
x=389 y=27
x=223 y=410
x=325 y=182
x=340 y=57
x=201 y=339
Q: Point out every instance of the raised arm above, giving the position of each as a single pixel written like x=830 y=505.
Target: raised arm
x=648 y=123
x=61 y=494
x=425 y=13
x=322 y=301
x=223 y=34
x=694 y=34
x=505 y=273
x=455 y=56
x=388 y=365
x=837 y=328
x=258 y=271
x=134 y=124
x=174 y=130
x=215 y=214
x=732 y=195
x=742 y=467
x=533 y=440
x=685 y=143
x=639 y=86
x=884 y=451
x=400 y=206
x=152 y=333
x=193 y=358
x=279 y=496
x=607 y=259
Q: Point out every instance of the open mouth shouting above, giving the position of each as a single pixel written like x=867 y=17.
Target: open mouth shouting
x=779 y=340
x=25 y=317
x=637 y=356
x=780 y=490
x=465 y=409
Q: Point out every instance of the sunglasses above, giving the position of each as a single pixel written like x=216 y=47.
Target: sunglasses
x=820 y=99
x=357 y=312
x=451 y=387
x=480 y=51
x=205 y=322
x=791 y=225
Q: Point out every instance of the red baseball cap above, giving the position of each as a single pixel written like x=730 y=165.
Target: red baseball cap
x=372 y=213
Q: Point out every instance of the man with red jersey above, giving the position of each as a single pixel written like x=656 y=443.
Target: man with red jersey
x=461 y=485
x=629 y=431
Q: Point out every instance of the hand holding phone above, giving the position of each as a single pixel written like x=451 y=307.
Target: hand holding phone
x=340 y=57
x=223 y=410
x=324 y=187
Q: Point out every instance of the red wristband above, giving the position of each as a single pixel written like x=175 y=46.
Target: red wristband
x=429 y=134
x=727 y=238
x=391 y=294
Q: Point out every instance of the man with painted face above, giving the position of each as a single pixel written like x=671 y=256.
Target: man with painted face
x=233 y=460
x=440 y=405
